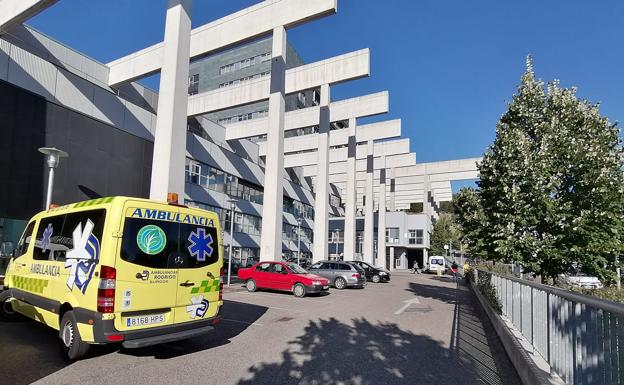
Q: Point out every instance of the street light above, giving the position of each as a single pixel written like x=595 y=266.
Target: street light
x=232 y=203
x=336 y=243
x=53 y=157
x=299 y=220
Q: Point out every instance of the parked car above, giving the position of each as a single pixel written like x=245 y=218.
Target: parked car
x=581 y=280
x=285 y=276
x=372 y=273
x=436 y=263
x=340 y=274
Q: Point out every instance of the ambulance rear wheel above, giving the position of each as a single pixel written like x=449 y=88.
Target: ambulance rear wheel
x=6 y=308
x=71 y=343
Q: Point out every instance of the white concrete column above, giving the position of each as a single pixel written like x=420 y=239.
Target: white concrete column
x=271 y=237
x=369 y=217
x=321 y=189
x=351 y=197
x=381 y=223
x=170 y=136
x=392 y=206
x=391 y=267
x=427 y=208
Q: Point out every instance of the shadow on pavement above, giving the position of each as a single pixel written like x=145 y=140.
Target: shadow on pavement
x=332 y=352
x=30 y=350
x=245 y=315
x=474 y=343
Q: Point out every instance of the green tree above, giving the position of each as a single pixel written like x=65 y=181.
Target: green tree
x=444 y=231
x=551 y=189
x=471 y=222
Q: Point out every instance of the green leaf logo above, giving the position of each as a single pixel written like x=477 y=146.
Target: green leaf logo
x=151 y=239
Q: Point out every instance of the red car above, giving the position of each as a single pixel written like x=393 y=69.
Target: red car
x=284 y=276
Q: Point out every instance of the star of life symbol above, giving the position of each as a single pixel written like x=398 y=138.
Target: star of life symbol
x=200 y=246
x=198 y=307
x=45 y=239
x=83 y=257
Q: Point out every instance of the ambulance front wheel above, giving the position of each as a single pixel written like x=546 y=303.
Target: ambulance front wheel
x=71 y=343
x=6 y=308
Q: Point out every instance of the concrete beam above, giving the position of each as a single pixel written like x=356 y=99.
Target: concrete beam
x=252 y=22
x=363 y=106
x=393 y=147
x=15 y=12
x=462 y=167
x=350 y=66
x=373 y=131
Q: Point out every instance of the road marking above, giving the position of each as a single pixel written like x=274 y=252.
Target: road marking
x=408 y=303
x=242 y=322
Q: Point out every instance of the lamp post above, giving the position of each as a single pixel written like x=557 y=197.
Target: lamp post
x=299 y=241
x=232 y=203
x=336 y=243
x=53 y=157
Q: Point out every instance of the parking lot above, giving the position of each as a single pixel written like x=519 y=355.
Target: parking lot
x=417 y=329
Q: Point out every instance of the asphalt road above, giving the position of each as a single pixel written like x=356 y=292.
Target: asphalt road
x=413 y=330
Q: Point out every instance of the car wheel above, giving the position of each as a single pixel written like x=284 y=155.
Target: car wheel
x=376 y=278
x=6 y=309
x=340 y=283
x=71 y=342
x=251 y=285
x=299 y=290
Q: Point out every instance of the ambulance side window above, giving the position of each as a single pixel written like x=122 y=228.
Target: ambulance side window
x=82 y=221
x=22 y=245
x=49 y=243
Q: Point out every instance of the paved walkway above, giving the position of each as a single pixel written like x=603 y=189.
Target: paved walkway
x=417 y=329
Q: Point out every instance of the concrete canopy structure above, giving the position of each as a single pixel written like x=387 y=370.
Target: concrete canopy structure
x=268 y=159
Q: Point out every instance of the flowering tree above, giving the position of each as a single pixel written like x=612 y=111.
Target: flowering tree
x=551 y=189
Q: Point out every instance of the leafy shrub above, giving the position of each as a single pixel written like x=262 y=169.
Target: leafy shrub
x=484 y=285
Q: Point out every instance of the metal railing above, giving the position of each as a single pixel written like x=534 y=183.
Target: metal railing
x=581 y=337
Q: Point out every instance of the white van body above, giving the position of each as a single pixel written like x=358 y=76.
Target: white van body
x=435 y=263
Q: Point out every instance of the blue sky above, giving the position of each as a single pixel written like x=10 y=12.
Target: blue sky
x=451 y=66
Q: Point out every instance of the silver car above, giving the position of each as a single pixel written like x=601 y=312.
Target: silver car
x=340 y=274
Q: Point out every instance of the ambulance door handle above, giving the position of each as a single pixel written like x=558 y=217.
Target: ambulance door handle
x=187 y=284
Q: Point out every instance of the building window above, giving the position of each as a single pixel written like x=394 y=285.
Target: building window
x=393 y=235
x=193 y=87
x=243 y=117
x=415 y=237
x=247 y=62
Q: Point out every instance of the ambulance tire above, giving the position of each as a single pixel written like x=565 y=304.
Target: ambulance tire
x=6 y=310
x=251 y=285
x=71 y=343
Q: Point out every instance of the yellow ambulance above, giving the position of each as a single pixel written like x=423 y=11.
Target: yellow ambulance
x=117 y=270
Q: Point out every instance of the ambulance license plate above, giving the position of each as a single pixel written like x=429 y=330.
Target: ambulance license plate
x=145 y=320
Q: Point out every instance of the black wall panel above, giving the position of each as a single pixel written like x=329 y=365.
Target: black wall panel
x=102 y=158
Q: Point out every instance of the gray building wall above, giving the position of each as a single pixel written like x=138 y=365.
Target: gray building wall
x=210 y=76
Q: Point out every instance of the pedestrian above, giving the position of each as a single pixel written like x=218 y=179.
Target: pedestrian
x=454 y=268
x=415 y=268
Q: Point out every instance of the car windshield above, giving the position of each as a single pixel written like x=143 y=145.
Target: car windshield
x=296 y=269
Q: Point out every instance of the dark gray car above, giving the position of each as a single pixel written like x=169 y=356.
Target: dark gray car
x=340 y=274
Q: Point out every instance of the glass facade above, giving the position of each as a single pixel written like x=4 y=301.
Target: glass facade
x=214 y=179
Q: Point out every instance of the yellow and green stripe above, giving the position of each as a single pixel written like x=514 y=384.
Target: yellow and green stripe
x=93 y=202
x=33 y=285
x=206 y=287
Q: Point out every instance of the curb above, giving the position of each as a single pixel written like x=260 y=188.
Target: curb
x=523 y=361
